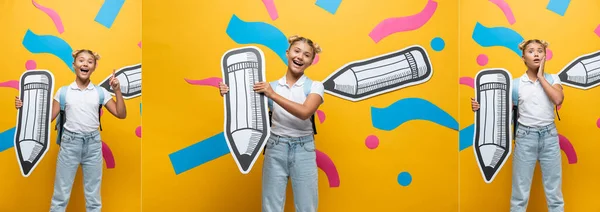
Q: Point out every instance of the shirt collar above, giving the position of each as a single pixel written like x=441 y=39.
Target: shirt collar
x=525 y=78
x=300 y=82
x=75 y=87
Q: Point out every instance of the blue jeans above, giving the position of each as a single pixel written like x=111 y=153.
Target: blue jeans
x=533 y=144
x=295 y=158
x=75 y=149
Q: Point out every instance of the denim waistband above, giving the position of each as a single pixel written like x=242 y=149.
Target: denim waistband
x=82 y=134
x=543 y=128
x=303 y=139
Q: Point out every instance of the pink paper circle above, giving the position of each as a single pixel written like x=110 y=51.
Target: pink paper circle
x=138 y=131
x=598 y=123
x=316 y=60
x=549 y=54
x=482 y=59
x=30 y=65
x=372 y=142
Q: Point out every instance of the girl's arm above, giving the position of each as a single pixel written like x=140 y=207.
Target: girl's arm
x=302 y=111
x=55 y=109
x=554 y=92
x=116 y=108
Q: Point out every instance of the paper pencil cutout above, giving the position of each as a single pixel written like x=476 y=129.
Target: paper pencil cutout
x=246 y=116
x=363 y=79
x=583 y=72
x=32 y=134
x=130 y=79
x=492 y=139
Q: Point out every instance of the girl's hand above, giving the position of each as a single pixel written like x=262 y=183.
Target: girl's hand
x=18 y=103
x=114 y=82
x=263 y=87
x=474 y=105
x=223 y=88
x=540 y=73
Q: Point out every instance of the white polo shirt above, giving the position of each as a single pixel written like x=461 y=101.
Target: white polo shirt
x=535 y=107
x=81 y=107
x=286 y=124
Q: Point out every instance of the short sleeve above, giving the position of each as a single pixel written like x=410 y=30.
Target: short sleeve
x=317 y=88
x=57 y=95
x=556 y=79
x=107 y=96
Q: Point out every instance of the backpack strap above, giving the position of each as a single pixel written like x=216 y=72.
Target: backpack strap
x=101 y=100
x=62 y=96
x=60 y=121
x=307 y=87
x=515 y=91
x=515 y=107
x=550 y=80
x=100 y=94
x=270 y=101
x=270 y=104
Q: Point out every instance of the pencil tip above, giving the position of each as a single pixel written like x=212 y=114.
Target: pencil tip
x=245 y=161
x=328 y=84
x=27 y=166
x=489 y=172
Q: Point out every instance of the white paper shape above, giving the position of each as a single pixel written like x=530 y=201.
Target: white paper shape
x=247 y=126
x=381 y=74
x=130 y=80
x=32 y=132
x=493 y=135
x=583 y=72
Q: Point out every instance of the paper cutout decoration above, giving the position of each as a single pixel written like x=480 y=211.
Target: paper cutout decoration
x=493 y=135
x=246 y=116
x=583 y=72
x=381 y=74
x=130 y=79
x=32 y=134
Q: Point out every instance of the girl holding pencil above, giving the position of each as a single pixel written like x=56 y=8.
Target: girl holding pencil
x=536 y=135
x=290 y=150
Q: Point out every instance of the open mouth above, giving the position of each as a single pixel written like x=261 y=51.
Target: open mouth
x=84 y=70
x=536 y=60
x=298 y=63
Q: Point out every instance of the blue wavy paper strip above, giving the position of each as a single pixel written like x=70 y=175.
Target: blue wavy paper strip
x=410 y=109
x=466 y=137
x=108 y=12
x=199 y=153
x=243 y=32
x=558 y=6
x=7 y=139
x=50 y=44
x=497 y=36
x=330 y=6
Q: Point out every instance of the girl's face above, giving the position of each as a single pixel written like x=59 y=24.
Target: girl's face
x=84 y=65
x=300 y=56
x=533 y=54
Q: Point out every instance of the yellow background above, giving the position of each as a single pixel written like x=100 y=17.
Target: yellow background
x=117 y=47
x=569 y=36
x=188 y=39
